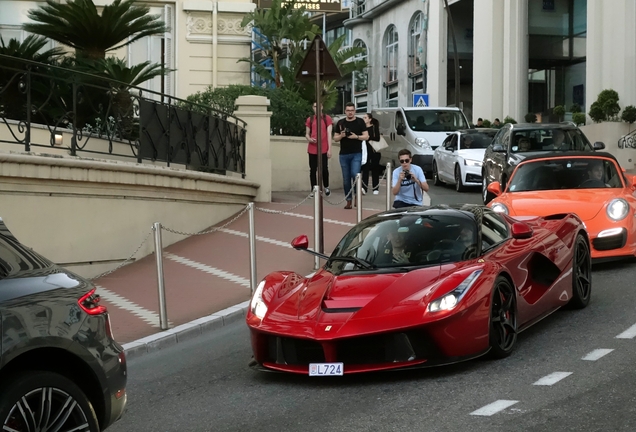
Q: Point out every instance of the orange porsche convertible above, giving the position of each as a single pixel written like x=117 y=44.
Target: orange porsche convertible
x=592 y=185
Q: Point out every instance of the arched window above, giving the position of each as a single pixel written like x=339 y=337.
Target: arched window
x=391 y=65
x=361 y=78
x=416 y=72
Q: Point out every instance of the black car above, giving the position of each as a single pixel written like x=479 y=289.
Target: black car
x=60 y=368
x=515 y=142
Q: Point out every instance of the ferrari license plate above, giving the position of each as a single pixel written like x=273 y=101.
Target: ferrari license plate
x=326 y=369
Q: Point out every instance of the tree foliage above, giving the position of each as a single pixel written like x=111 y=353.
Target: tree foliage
x=629 y=114
x=606 y=107
x=530 y=118
x=578 y=118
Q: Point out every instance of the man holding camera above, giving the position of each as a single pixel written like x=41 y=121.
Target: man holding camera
x=350 y=132
x=409 y=182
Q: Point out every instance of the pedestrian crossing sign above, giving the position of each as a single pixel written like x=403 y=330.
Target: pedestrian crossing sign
x=420 y=100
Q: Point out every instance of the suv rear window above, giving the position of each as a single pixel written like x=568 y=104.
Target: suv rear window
x=16 y=258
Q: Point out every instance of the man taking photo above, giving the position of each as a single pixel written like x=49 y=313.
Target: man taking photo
x=408 y=183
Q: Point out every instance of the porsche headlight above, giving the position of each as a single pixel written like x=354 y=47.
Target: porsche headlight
x=421 y=142
x=257 y=305
x=450 y=300
x=499 y=208
x=473 y=163
x=617 y=209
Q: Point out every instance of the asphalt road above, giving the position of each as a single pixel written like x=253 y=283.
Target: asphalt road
x=587 y=375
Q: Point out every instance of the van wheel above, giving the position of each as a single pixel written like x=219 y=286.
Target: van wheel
x=436 y=180
x=459 y=184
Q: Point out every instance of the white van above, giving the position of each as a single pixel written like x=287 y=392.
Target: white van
x=420 y=130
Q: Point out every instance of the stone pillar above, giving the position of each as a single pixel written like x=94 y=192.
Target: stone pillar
x=488 y=60
x=436 y=56
x=258 y=163
x=611 y=50
x=515 y=60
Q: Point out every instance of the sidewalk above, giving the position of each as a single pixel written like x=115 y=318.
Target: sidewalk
x=207 y=276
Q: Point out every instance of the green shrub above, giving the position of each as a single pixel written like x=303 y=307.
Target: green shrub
x=575 y=108
x=509 y=119
x=289 y=110
x=629 y=114
x=487 y=123
x=559 y=111
x=578 y=118
x=531 y=118
x=606 y=107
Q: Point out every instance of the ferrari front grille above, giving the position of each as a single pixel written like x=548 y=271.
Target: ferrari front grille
x=294 y=351
x=386 y=348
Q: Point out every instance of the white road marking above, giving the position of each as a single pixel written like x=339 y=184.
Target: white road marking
x=214 y=271
x=628 y=334
x=553 y=378
x=494 y=407
x=333 y=221
x=261 y=238
x=597 y=354
x=149 y=316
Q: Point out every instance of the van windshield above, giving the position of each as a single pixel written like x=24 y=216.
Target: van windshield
x=435 y=120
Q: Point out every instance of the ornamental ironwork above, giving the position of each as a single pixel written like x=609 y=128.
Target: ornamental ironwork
x=628 y=141
x=135 y=123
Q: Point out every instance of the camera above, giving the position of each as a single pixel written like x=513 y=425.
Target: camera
x=407 y=175
x=347 y=132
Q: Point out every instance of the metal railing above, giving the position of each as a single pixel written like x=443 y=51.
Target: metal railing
x=136 y=123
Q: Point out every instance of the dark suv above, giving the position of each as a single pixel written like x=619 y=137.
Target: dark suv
x=60 y=368
x=514 y=142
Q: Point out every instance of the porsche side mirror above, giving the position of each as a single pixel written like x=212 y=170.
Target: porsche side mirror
x=494 y=188
x=301 y=242
x=598 y=145
x=498 y=148
x=521 y=230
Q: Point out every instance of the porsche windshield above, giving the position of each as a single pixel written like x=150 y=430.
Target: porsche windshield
x=404 y=240
x=565 y=173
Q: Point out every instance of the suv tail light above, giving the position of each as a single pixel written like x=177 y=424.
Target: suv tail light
x=89 y=303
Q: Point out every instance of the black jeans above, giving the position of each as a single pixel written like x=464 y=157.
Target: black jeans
x=313 y=168
x=373 y=165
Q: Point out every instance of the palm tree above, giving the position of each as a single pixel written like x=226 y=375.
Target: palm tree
x=78 y=24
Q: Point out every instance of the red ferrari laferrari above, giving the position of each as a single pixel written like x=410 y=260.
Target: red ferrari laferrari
x=418 y=287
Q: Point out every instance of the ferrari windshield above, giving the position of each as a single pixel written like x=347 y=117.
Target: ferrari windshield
x=403 y=240
x=565 y=173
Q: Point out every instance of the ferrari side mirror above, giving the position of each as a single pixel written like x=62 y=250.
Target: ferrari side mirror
x=494 y=188
x=300 y=242
x=521 y=230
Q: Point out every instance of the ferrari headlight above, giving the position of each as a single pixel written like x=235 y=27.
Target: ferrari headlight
x=499 y=208
x=422 y=142
x=617 y=209
x=450 y=300
x=257 y=305
x=473 y=163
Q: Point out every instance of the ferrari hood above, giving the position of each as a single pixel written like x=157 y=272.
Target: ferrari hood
x=586 y=203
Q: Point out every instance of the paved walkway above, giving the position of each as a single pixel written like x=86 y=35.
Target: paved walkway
x=207 y=276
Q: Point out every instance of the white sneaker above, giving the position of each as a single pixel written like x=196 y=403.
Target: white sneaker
x=327 y=191
x=376 y=192
x=364 y=192
x=311 y=195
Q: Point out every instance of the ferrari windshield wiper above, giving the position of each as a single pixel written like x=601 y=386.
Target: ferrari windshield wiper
x=352 y=259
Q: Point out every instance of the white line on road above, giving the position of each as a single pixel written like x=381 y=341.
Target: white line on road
x=215 y=271
x=149 y=316
x=494 y=407
x=628 y=334
x=260 y=238
x=597 y=354
x=333 y=221
x=553 y=378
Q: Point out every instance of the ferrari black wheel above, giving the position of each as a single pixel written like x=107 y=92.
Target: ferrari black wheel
x=45 y=401
x=581 y=274
x=503 y=319
x=436 y=180
x=459 y=184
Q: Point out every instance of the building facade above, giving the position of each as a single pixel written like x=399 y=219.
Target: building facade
x=203 y=44
x=514 y=56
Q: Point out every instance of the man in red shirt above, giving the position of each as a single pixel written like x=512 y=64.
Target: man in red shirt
x=311 y=134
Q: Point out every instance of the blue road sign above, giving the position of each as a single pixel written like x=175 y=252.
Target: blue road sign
x=420 y=100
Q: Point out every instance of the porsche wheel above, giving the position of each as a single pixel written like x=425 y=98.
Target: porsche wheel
x=459 y=184
x=503 y=319
x=38 y=401
x=436 y=180
x=581 y=274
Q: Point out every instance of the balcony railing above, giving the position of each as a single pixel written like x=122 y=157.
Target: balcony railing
x=150 y=125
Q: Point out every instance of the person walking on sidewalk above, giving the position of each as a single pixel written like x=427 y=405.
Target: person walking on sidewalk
x=311 y=134
x=350 y=132
x=408 y=183
x=373 y=157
